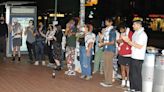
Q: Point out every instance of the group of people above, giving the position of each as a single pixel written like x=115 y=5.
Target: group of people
x=121 y=42
x=128 y=46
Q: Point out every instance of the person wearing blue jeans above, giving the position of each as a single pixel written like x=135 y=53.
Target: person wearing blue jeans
x=86 y=53
x=39 y=47
x=39 y=52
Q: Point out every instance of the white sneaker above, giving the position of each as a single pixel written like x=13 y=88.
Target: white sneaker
x=66 y=72
x=43 y=63
x=88 y=78
x=36 y=63
x=82 y=76
x=71 y=73
x=50 y=65
x=128 y=83
x=105 y=85
x=53 y=74
x=123 y=83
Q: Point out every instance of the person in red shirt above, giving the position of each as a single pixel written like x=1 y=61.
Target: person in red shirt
x=124 y=54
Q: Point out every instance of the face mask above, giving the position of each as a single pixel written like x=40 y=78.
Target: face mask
x=1 y=20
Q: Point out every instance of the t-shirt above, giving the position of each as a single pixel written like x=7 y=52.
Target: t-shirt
x=139 y=37
x=71 y=40
x=30 y=36
x=17 y=29
x=89 y=38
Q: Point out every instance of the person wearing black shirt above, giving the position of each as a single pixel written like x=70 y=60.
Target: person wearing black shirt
x=57 y=47
x=3 y=36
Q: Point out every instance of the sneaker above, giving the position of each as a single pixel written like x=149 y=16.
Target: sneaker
x=123 y=83
x=36 y=63
x=128 y=83
x=105 y=85
x=113 y=80
x=71 y=73
x=82 y=76
x=50 y=65
x=132 y=90
x=101 y=72
x=88 y=78
x=94 y=72
x=58 y=68
x=127 y=90
x=43 y=63
x=53 y=75
x=66 y=72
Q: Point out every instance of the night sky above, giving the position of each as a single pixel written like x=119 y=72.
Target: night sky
x=104 y=7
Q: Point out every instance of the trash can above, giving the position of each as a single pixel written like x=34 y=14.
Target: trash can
x=148 y=72
x=158 y=83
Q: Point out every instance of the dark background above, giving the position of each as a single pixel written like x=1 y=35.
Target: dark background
x=105 y=8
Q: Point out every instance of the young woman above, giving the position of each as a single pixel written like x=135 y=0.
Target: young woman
x=124 y=51
x=40 y=43
x=53 y=41
x=87 y=52
x=30 y=41
x=70 y=34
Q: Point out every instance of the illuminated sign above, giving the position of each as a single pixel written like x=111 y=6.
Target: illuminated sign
x=23 y=10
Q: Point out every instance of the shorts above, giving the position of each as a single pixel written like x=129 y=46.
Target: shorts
x=124 y=60
x=17 y=42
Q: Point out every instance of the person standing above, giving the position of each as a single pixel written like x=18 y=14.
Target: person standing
x=70 y=34
x=30 y=41
x=57 y=52
x=139 y=44
x=87 y=52
x=17 y=38
x=124 y=54
x=98 y=61
x=109 y=49
x=39 y=46
x=3 y=36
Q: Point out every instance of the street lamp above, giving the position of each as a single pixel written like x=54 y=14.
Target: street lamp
x=55 y=22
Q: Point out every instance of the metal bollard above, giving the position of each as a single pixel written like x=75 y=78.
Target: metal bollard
x=148 y=72
x=158 y=84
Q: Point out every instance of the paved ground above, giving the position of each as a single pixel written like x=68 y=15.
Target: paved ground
x=24 y=77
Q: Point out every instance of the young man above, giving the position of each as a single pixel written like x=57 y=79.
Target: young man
x=109 y=48
x=138 y=43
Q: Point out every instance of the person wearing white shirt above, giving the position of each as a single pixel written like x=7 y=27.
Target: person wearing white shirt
x=17 y=38
x=139 y=44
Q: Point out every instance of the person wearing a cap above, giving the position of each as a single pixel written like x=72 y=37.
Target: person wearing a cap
x=139 y=44
x=3 y=36
x=17 y=38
